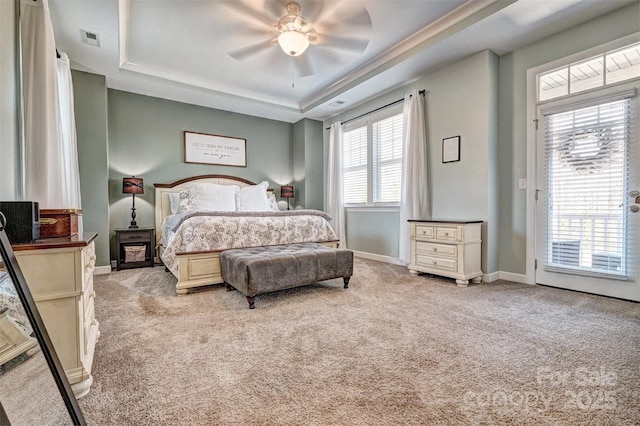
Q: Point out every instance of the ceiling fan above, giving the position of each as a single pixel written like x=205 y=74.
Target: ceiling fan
x=330 y=26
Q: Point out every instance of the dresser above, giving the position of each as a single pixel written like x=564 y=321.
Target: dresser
x=59 y=273
x=450 y=249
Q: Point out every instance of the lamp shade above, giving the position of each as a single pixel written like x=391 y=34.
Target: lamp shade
x=286 y=191
x=293 y=42
x=132 y=185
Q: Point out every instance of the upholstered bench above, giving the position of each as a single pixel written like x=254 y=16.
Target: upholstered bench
x=259 y=270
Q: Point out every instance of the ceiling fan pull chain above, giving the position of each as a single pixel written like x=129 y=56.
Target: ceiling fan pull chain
x=293 y=85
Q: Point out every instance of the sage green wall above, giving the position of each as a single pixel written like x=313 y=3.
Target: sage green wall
x=308 y=174
x=512 y=158
x=373 y=232
x=461 y=101
x=146 y=140
x=9 y=141
x=90 y=103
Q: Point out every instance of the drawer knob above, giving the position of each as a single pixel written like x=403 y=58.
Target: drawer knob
x=435 y=263
x=435 y=249
x=446 y=234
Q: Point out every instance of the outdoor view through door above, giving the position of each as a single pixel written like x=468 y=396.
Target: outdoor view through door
x=587 y=225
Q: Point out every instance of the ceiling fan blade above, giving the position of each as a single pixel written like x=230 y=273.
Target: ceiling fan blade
x=247 y=11
x=313 y=10
x=344 y=16
x=304 y=65
x=355 y=44
x=275 y=9
x=251 y=50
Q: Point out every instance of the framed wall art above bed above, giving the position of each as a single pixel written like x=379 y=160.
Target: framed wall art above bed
x=202 y=148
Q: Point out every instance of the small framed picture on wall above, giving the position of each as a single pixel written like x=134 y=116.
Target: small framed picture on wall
x=451 y=149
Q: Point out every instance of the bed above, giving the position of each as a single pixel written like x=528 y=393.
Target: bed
x=15 y=329
x=189 y=239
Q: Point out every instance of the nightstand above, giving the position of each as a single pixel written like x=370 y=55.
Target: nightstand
x=135 y=248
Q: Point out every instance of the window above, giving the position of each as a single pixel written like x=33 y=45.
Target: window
x=372 y=160
x=586 y=181
x=599 y=71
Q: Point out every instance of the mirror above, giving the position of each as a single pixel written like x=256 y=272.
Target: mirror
x=34 y=389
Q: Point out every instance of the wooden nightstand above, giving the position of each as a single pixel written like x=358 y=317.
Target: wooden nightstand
x=136 y=248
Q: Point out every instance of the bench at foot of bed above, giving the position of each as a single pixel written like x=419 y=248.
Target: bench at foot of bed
x=259 y=270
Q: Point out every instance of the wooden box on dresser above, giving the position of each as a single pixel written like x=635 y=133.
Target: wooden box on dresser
x=59 y=273
x=447 y=248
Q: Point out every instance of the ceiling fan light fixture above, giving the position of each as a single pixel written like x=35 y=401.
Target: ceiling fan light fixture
x=293 y=42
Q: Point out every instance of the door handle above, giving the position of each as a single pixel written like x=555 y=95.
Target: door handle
x=636 y=196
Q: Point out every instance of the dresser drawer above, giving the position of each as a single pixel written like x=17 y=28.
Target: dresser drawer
x=88 y=324
x=446 y=233
x=88 y=263
x=424 y=231
x=434 y=249
x=436 y=262
x=88 y=294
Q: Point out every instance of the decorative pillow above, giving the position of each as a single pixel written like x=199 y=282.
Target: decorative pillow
x=181 y=201
x=273 y=203
x=214 y=197
x=253 y=198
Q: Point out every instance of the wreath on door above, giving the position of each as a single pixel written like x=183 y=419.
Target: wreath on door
x=588 y=151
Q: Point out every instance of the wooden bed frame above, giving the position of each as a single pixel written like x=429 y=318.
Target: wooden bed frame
x=195 y=269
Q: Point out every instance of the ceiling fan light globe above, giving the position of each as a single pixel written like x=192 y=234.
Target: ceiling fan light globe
x=293 y=43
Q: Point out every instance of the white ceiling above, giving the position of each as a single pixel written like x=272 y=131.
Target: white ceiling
x=179 y=49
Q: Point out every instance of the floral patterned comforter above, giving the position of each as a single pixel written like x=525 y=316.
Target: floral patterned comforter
x=204 y=231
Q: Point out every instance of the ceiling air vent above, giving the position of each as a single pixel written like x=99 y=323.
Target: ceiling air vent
x=90 y=38
x=337 y=103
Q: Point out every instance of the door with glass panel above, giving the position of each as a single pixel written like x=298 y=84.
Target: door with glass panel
x=587 y=201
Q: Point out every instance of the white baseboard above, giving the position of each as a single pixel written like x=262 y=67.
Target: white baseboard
x=102 y=270
x=378 y=257
x=510 y=276
x=494 y=276
x=488 y=278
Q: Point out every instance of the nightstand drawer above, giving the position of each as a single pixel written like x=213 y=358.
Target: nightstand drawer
x=134 y=236
x=446 y=233
x=424 y=231
x=436 y=249
x=436 y=262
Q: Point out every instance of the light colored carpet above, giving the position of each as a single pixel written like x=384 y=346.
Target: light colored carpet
x=391 y=349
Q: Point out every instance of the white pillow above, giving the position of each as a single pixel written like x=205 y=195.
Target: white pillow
x=180 y=201
x=254 y=198
x=214 y=197
x=273 y=203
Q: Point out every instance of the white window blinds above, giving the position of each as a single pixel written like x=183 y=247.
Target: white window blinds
x=387 y=161
x=355 y=166
x=587 y=164
x=372 y=161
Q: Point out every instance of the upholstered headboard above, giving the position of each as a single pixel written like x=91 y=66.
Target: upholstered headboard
x=163 y=206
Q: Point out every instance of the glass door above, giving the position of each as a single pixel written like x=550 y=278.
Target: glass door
x=587 y=220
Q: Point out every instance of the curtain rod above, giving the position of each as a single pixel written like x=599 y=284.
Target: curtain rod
x=422 y=92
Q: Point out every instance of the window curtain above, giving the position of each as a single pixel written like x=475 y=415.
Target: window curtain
x=69 y=164
x=49 y=166
x=335 y=196
x=414 y=202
